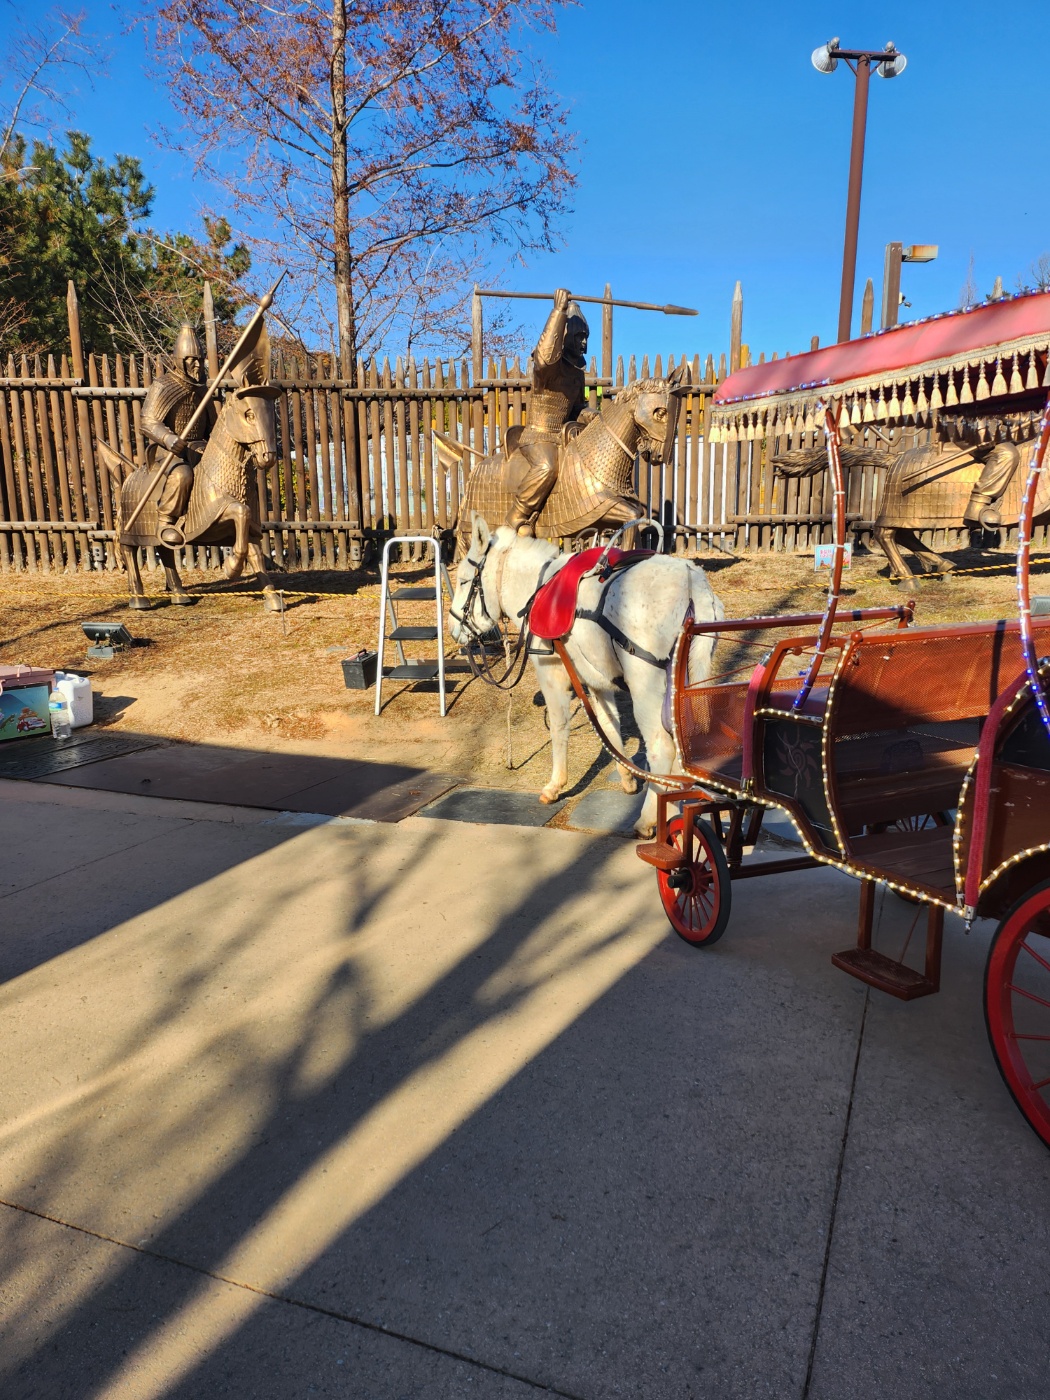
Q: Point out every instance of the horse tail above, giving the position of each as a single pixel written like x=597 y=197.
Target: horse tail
x=706 y=606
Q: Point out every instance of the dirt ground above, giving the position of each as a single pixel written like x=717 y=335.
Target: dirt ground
x=226 y=672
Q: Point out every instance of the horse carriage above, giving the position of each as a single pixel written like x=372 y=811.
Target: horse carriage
x=912 y=758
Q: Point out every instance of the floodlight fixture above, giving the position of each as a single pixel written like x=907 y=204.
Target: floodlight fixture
x=888 y=63
x=108 y=639
x=893 y=65
x=823 y=59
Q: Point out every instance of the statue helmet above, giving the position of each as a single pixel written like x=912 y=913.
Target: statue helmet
x=187 y=346
x=573 y=313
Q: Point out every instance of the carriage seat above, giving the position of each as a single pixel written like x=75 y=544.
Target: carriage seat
x=553 y=610
x=907 y=715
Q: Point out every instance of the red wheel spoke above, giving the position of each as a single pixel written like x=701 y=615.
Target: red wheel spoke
x=1032 y=953
x=1042 y=1083
x=1030 y=995
x=1015 y=1035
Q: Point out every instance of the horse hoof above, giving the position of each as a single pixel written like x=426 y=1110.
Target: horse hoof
x=139 y=604
x=271 y=603
x=547 y=797
x=646 y=830
x=183 y=600
x=232 y=569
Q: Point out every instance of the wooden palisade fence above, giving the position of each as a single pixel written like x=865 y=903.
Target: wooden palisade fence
x=356 y=462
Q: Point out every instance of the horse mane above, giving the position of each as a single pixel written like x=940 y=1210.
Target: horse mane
x=632 y=391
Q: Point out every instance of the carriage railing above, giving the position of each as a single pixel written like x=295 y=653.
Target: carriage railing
x=711 y=714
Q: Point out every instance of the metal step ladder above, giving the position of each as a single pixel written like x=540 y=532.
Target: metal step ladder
x=406 y=670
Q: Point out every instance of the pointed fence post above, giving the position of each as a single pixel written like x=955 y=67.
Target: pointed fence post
x=477 y=331
x=867 y=307
x=736 y=333
x=607 y=334
x=211 y=339
x=87 y=454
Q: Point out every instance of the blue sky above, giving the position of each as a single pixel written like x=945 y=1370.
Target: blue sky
x=712 y=150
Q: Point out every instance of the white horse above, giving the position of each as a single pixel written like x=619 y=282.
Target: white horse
x=644 y=605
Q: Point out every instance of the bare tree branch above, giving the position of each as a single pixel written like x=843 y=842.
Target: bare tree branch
x=397 y=145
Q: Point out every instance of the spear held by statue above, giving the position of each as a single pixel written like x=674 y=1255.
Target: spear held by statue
x=668 y=310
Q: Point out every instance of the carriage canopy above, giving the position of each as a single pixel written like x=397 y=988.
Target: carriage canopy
x=985 y=366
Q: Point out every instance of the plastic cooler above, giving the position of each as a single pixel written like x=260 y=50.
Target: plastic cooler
x=24 y=693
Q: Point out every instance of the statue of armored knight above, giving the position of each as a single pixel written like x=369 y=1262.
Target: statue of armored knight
x=557 y=401
x=169 y=404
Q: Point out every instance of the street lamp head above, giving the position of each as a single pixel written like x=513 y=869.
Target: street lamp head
x=893 y=65
x=823 y=59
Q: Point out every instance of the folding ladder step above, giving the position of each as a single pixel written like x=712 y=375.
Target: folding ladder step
x=412 y=671
x=413 y=634
x=422 y=592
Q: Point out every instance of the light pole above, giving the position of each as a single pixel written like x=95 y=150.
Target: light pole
x=888 y=63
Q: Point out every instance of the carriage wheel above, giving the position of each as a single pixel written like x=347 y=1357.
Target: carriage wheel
x=1017 y=1005
x=697 y=897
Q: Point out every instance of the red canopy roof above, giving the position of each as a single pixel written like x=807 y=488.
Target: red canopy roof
x=983 y=333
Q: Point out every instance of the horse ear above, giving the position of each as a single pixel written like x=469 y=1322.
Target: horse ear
x=676 y=375
x=480 y=532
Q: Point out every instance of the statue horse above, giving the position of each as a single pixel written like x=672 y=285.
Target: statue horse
x=624 y=633
x=222 y=507
x=595 y=486
x=932 y=487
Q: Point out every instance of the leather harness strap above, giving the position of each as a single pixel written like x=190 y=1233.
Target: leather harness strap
x=671 y=780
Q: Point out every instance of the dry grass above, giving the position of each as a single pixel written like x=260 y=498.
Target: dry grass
x=226 y=672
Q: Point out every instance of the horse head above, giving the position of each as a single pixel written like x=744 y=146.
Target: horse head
x=654 y=405
x=475 y=608
x=249 y=415
x=250 y=419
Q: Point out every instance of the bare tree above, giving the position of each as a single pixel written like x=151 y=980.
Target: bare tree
x=38 y=56
x=393 y=144
x=1037 y=278
x=969 y=295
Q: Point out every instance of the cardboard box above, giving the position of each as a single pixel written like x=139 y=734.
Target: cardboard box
x=24 y=695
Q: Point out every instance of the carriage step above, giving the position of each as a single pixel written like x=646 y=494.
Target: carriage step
x=424 y=592
x=884 y=973
x=412 y=634
x=413 y=671
x=661 y=854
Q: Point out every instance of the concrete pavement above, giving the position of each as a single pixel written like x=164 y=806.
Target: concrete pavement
x=441 y=1110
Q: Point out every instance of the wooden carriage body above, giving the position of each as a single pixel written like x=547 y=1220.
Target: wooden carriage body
x=915 y=759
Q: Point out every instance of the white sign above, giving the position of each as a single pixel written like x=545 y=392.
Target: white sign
x=824 y=556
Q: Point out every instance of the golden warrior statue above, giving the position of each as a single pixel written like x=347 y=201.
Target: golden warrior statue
x=557 y=401
x=168 y=407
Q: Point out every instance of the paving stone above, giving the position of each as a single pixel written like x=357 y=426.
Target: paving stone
x=608 y=811
x=493 y=807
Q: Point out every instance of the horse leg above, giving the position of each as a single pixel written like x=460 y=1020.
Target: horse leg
x=138 y=599
x=604 y=702
x=886 y=539
x=647 y=687
x=239 y=513
x=271 y=598
x=933 y=562
x=172 y=582
x=557 y=694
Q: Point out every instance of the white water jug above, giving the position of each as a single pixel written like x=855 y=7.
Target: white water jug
x=77 y=690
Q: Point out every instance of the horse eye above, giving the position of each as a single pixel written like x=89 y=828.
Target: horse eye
x=249 y=413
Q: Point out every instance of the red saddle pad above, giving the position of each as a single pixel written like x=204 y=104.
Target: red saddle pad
x=554 y=606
